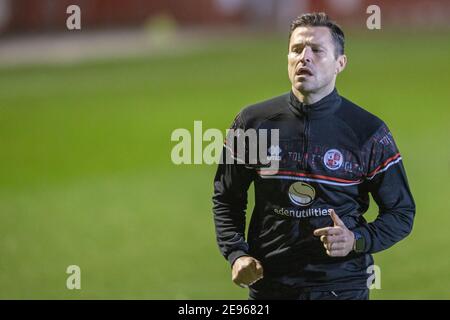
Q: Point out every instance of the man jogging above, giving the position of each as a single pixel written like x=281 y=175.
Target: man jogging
x=307 y=237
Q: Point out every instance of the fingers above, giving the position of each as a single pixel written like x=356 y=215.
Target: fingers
x=321 y=232
x=337 y=253
x=333 y=246
x=246 y=271
x=259 y=271
x=337 y=221
x=336 y=245
x=337 y=229
x=338 y=238
x=328 y=231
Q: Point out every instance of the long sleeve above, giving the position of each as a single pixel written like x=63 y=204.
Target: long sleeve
x=231 y=184
x=386 y=181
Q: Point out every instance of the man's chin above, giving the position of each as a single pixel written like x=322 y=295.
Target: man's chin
x=303 y=87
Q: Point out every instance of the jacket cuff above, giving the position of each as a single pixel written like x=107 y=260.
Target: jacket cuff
x=366 y=235
x=233 y=256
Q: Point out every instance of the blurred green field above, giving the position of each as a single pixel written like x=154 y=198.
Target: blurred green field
x=86 y=176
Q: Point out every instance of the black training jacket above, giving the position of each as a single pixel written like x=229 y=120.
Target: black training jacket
x=331 y=154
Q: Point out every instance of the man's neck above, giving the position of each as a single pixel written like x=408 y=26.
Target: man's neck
x=312 y=97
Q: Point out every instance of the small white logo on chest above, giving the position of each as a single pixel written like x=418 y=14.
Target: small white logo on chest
x=333 y=159
x=274 y=153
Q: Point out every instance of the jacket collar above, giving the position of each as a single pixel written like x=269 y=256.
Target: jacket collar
x=325 y=106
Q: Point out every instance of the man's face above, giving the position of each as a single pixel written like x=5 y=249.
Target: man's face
x=312 y=64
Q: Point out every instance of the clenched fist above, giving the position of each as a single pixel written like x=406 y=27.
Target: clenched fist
x=338 y=241
x=246 y=270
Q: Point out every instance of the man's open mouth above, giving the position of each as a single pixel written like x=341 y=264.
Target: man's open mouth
x=304 y=72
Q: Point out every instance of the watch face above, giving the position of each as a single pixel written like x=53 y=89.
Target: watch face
x=360 y=244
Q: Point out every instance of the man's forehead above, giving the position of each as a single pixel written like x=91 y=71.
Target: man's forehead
x=319 y=35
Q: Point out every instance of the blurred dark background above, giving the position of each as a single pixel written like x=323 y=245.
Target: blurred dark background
x=20 y=16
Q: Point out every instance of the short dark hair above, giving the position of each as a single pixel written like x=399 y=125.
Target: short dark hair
x=321 y=19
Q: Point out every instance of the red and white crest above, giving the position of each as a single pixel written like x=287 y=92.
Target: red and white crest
x=333 y=159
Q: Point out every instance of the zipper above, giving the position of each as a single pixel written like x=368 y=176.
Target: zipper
x=305 y=143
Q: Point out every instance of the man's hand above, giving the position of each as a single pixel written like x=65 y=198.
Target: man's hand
x=338 y=240
x=246 y=271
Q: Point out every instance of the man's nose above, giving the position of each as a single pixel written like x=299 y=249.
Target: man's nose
x=306 y=55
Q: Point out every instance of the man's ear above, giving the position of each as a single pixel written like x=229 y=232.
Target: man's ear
x=341 y=63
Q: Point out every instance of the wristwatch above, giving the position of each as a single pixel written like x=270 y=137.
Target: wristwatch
x=360 y=243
